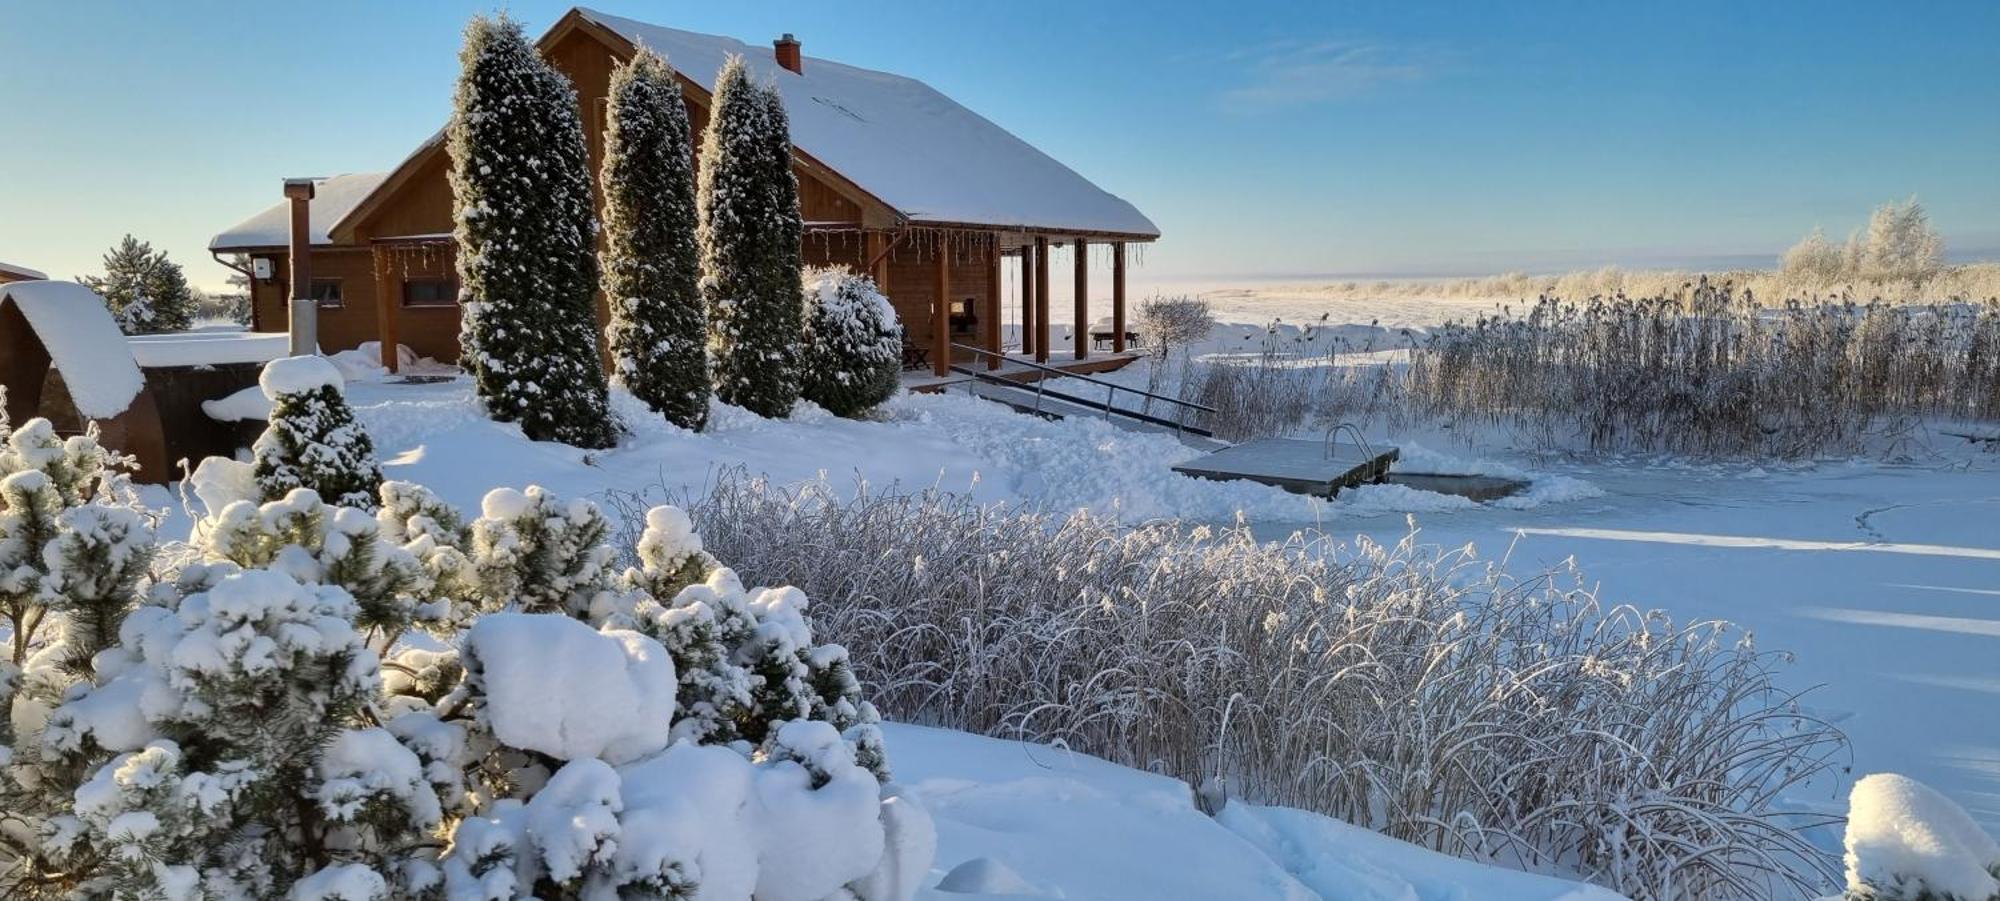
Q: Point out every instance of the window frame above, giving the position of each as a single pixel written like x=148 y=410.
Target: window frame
x=339 y=300
x=450 y=293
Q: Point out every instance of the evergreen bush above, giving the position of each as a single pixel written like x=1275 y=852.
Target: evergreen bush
x=521 y=200
x=651 y=263
x=313 y=440
x=854 y=347
x=749 y=234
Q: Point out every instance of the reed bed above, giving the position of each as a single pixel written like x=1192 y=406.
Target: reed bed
x=1710 y=372
x=1416 y=691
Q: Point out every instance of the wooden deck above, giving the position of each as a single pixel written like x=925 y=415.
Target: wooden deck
x=1102 y=361
x=1298 y=466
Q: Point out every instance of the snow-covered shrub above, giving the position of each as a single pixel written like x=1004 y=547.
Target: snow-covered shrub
x=1418 y=692
x=1906 y=842
x=652 y=266
x=854 y=342
x=313 y=440
x=1171 y=324
x=749 y=233
x=526 y=232
x=226 y=729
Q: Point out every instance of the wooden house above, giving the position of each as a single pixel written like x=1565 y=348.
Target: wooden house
x=895 y=179
x=12 y=273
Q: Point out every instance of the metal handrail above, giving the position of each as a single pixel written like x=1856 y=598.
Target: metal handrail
x=1352 y=429
x=981 y=351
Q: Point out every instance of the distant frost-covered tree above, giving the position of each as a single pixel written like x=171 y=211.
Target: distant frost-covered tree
x=313 y=440
x=1813 y=260
x=147 y=292
x=854 y=345
x=652 y=265
x=1902 y=244
x=525 y=228
x=750 y=229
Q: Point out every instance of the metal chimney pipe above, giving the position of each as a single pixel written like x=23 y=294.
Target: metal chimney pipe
x=304 y=325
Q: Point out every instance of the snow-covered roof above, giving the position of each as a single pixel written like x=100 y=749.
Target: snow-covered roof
x=208 y=348
x=333 y=199
x=83 y=341
x=21 y=272
x=917 y=150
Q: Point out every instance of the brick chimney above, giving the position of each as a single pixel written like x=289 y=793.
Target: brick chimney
x=788 y=53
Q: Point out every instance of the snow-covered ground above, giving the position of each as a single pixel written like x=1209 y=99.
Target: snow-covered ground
x=1029 y=820
x=1881 y=577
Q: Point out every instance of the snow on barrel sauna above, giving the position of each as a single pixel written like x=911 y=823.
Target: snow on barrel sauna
x=63 y=358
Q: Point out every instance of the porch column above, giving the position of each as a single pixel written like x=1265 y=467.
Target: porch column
x=1041 y=300
x=991 y=314
x=1082 y=299
x=1028 y=298
x=941 y=312
x=876 y=260
x=1118 y=297
x=388 y=303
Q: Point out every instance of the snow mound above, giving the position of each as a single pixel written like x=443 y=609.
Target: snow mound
x=986 y=876
x=1905 y=840
x=298 y=375
x=249 y=403
x=555 y=685
x=83 y=341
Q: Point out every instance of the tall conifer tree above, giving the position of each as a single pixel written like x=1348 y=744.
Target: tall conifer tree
x=520 y=182
x=750 y=229
x=652 y=265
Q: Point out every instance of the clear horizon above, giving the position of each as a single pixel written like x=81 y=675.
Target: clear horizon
x=1362 y=140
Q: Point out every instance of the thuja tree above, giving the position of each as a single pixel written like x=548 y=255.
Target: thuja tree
x=147 y=292
x=652 y=266
x=750 y=229
x=854 y=347
x=313 y=440
x=521 y=195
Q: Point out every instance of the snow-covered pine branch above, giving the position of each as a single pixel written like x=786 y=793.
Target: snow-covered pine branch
x=297 y=710
x=854 y=342
x=749 y=234
x=651 y=263
x=313 y=440
x=526 y=232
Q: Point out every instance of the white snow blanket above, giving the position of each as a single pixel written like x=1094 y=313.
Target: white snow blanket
x=902 y=141
x=333 y=199
x=84 y=343
x=1905 y=840
x=209 y=348
x=558 y=686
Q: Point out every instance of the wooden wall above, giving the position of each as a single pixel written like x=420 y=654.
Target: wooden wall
x=429 y=331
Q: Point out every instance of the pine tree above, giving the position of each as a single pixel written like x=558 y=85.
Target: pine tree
x=147 y=293
x=525 y=229
x=652 y=266
x=750 y=230
x=313 y=440
x=854 y=344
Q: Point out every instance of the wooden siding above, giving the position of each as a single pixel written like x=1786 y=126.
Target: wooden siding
x=429 y=331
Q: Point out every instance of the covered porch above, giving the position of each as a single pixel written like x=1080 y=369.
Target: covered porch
x=966 y=295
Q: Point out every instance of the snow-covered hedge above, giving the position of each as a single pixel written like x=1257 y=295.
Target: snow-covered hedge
x=314 y=701
x=854 y=342
x=1906 y=842
x=313 y=440
x=1419 y=692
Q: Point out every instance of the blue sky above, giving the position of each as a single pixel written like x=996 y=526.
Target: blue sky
x=1278 y=139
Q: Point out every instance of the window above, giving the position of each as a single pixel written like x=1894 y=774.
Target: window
x=429 y=292
x=327 y=292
